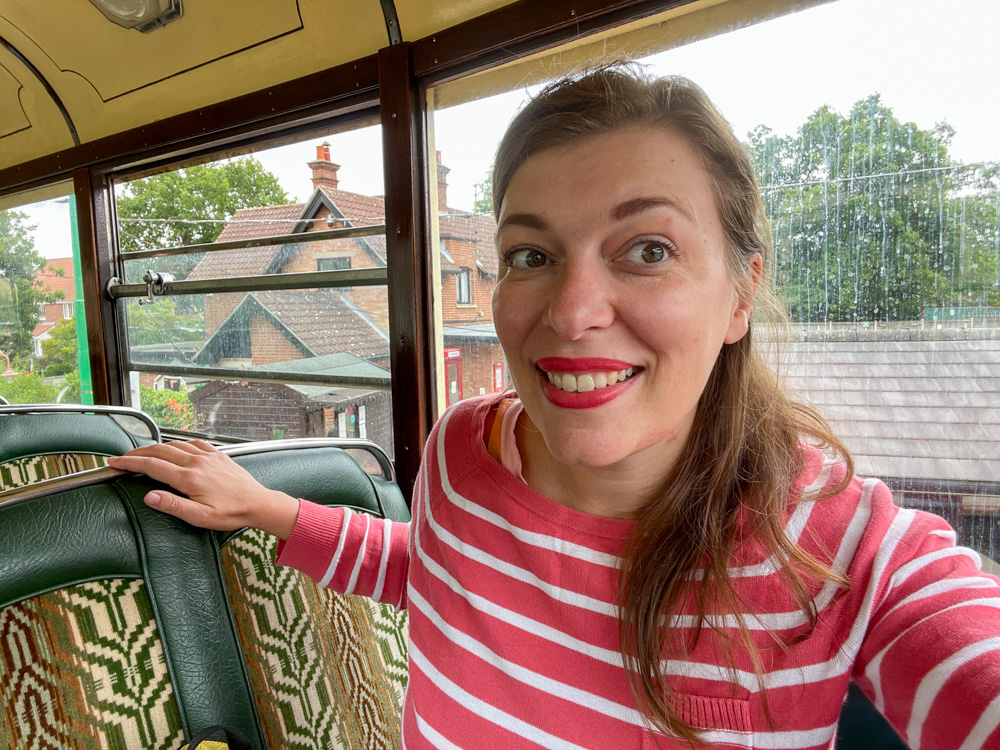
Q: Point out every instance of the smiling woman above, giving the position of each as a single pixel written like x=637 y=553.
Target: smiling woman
x=644 y=545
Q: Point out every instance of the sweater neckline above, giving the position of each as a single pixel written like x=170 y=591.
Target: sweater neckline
x=544 y=507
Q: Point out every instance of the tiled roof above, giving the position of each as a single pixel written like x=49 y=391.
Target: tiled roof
x=322 y=321
x=907 y=409
x=65 y=283
x=477 y=228
x=42 y=328
x=246 y=224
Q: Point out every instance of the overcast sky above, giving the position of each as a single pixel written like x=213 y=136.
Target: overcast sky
x=930 y=61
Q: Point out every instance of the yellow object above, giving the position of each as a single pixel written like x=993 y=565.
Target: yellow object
x=210 y=745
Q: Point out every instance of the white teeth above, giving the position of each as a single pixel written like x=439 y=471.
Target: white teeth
x=585 y=382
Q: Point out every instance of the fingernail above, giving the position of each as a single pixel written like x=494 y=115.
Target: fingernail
x=112 y=460
x=152 y=499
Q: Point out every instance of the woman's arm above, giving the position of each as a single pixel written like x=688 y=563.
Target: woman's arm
x=930 y=660
x=349 y=552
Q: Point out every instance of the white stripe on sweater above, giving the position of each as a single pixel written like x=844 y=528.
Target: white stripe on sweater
x=360 y=558
x=383 y=560
x=332 y=568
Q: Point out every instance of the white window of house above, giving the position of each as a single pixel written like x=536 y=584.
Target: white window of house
x=464 y=287
x=334 y=264
x=362 y=424
x=67 y=309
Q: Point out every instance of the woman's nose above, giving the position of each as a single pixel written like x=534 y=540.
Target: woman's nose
x=580 y=301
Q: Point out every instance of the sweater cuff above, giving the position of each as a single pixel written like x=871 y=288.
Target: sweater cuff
x=315 y=533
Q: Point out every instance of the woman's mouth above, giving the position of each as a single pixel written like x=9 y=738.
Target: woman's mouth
x=584 y=382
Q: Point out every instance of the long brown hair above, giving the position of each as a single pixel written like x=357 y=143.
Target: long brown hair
x=744 y=452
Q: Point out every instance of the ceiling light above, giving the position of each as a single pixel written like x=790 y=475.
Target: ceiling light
x=141 y=15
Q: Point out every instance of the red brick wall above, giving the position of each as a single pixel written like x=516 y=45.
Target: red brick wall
x=268 y=345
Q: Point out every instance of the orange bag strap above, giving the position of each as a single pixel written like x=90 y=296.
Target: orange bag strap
x=495 y=429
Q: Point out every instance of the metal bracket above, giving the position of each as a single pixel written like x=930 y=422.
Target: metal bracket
x=155 y=282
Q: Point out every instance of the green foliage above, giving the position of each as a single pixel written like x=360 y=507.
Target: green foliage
x=19 y=294
x=72 y=396
x=28 y=388
x=484 y=196
x=160 y=323
x=171 y=209
x=168 y=408
x=59 y=352
x=873 y=219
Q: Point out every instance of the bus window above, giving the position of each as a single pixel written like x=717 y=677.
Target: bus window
x=43 y=351
x=884 y=204
x=237 y=336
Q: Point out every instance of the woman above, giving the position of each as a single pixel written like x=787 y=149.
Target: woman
x=639 y=549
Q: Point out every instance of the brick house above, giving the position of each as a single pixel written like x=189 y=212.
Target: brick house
x=57 y=276
x=261 y=329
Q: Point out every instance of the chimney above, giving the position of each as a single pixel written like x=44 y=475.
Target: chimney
x=442 y=175
x=324 y=171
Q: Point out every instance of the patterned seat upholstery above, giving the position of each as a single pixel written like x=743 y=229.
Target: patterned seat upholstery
x=328 y=670
x=116 y=630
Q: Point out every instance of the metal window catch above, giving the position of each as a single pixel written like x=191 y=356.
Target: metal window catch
x=155 y=282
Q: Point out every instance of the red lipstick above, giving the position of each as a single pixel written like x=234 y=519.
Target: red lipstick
x=581 y=364
x=587 y=400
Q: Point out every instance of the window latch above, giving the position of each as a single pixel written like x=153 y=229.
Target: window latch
x=155 y=282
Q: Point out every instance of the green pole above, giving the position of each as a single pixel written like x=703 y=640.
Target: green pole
x=79 y=313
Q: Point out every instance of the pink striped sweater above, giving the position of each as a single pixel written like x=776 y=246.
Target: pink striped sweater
x=514 y=639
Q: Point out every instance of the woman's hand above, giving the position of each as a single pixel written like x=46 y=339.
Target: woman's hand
x=217 y=492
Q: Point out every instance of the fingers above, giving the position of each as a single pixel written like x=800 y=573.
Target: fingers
x=179 y=507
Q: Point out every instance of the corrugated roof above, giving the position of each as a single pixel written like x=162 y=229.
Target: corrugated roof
x=339 y=364
x=906 y=409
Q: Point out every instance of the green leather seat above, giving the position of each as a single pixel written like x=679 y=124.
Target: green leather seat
x=42 y=441
x=118 y=628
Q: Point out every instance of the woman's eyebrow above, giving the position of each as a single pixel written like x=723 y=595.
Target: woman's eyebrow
x=635 y=206
x=530 y=221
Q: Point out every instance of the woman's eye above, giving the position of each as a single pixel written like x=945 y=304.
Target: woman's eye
x=647 y=253
x=526 y=258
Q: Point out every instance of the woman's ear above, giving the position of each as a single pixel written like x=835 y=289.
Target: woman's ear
x=746 y=292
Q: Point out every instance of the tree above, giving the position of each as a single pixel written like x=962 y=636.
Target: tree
x=160 y=323
x=59 y=352
x=873 y=219
x=189 y=206
x=20 y=295
x=484 y=196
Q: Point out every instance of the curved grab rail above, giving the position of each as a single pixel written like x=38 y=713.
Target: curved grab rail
x=3 y=401
x=125 y=411
x=107 y=474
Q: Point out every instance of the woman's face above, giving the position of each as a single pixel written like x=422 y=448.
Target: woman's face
x=614 y=297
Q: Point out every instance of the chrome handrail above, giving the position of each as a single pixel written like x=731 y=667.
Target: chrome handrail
x=106 y=474
x=3 y=401
x=125 y=411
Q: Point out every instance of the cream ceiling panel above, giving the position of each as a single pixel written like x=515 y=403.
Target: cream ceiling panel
x=420 y=18
x=30 y=122
x=12 y=116
x=115 y=60
x=112 y=79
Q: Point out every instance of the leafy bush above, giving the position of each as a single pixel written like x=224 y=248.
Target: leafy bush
x=168 y=408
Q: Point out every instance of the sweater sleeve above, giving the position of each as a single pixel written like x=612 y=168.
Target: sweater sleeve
x=930 y=660
x=350 y=552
